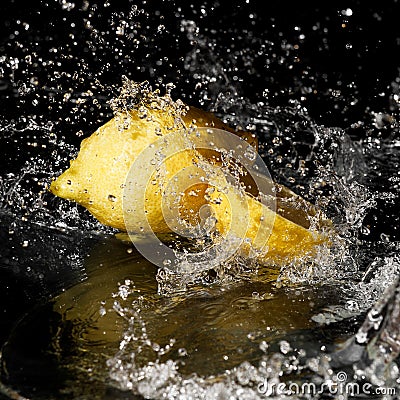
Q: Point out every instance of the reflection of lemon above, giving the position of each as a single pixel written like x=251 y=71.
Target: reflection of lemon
x=96 y=180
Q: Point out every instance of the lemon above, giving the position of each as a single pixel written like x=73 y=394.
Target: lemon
x=96 y=179
x=269 y=237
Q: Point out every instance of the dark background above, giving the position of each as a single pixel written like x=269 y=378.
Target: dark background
x=357 y=55
x=344 y=69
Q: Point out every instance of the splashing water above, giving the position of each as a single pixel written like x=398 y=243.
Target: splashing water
x=115 y=325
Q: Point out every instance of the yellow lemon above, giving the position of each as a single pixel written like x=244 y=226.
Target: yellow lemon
x=267 y=236
x=96 y=179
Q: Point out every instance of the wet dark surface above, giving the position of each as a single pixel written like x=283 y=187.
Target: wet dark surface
x=341 y=66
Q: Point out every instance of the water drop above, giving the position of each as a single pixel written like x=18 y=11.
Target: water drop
x=250 y=154
x=263 y=346
x=182 y=352
x=348 y=12
x=361 y=337
x=120 y=31
x=384 y=237
x=66 y=5
x=365 y=230
x=112 y=198
x=284 y=347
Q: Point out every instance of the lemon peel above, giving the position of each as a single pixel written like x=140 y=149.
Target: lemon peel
x=97 y=177
x=270 y=238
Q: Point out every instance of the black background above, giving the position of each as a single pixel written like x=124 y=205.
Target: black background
x=367 y=72
x=370 y=66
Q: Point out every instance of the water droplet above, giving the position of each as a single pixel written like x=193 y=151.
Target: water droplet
x=284 y=347
x=348 y=12
x=182 y=352
x=263 y=346
x=112 y=198
x=384 y=237
x=361 y=337
x=365 y=230
x=250 y=154
x=66 y=5
x=156 y=347
x=120 y=30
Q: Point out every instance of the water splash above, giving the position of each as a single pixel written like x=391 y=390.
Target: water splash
x=333 y=170
x=346 y=177
x=141 y=97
